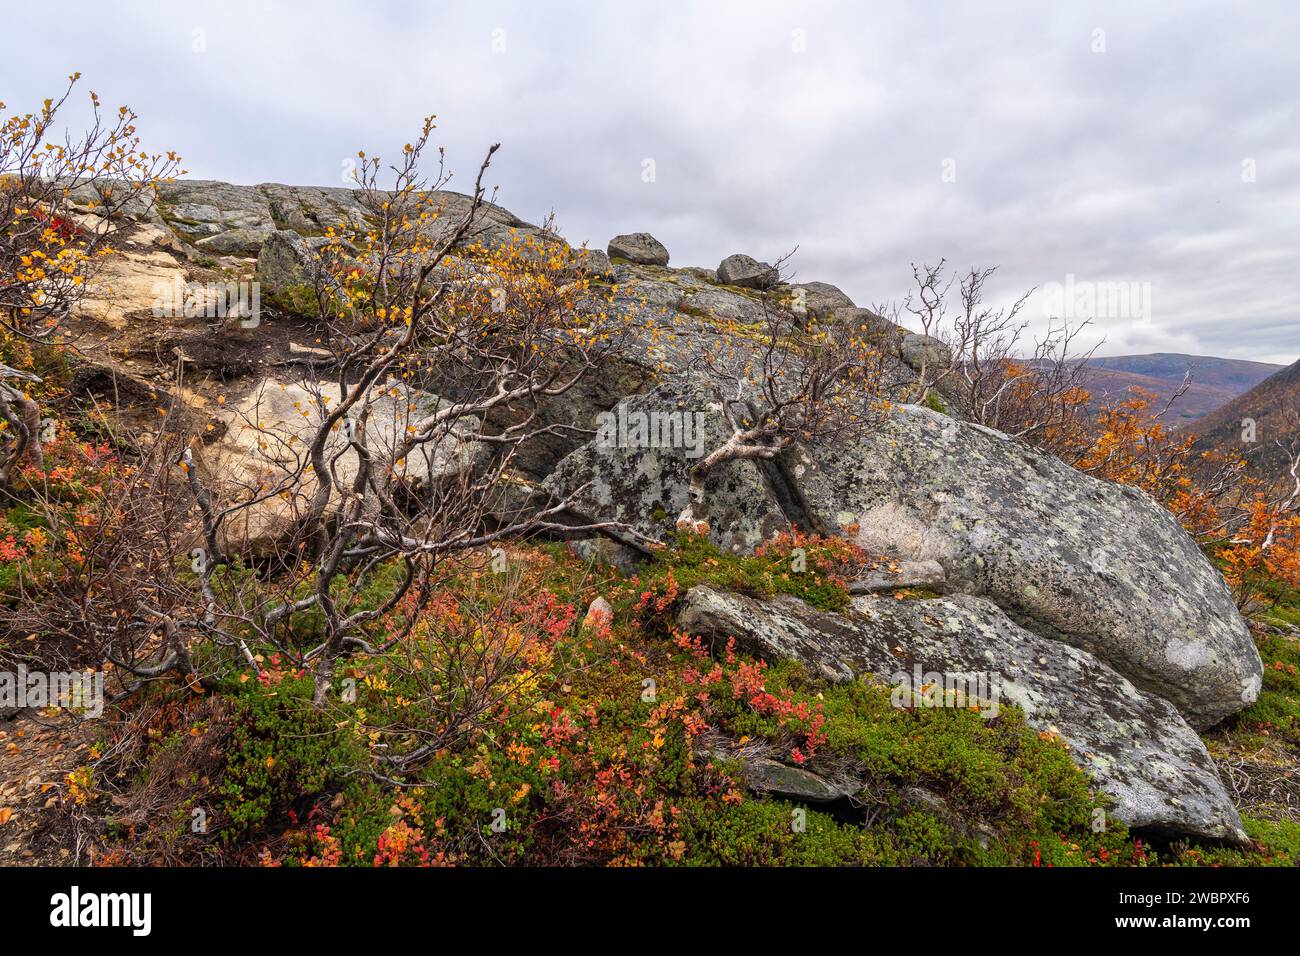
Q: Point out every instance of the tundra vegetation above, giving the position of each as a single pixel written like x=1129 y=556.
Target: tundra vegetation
x=420 y=671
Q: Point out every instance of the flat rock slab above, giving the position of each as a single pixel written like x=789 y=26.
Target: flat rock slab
x=1135 y=745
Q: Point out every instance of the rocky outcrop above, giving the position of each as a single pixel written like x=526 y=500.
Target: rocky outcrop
x=198 y=209
x=1001 y=520
x=639 y=247
x=1133 y=744
x=1102 y=617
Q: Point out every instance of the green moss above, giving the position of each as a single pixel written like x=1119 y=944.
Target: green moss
x=630 y=780
x=299 y=299
x=282 y=755
x=693 y=559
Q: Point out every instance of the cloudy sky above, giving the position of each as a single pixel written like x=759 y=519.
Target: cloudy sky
x=1152 y=158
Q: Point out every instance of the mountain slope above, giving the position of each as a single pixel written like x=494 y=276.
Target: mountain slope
x=1274 y=407
x=1215 y=381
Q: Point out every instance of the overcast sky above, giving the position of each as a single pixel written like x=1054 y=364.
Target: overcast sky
x=1074 y=145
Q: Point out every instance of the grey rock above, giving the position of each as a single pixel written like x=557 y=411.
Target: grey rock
x=313 y=210
x=286 y=263
x=594 y=263
x=235 y=242
x=904 y=574
x=649 y=292
x=1097 y=565
x=749 y=273
x=792 y=783
x=883 y=334
x=1133 y=744
x=91 y=199
x=197 y=208
x=606 y=551
x=703 y=275
x=640 y=247
x=818 y=299
x=721 y=304
x=924 y=350
x=637 y=470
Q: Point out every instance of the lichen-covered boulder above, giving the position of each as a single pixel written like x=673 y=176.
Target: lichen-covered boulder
x=1135 y=745
x=638 y=247
x=1096 y=565
x=924 y=351
x=818 y=299
x=744 y=271
x=637 y=470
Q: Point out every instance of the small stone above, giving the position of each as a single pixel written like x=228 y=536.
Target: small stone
x=599 y=613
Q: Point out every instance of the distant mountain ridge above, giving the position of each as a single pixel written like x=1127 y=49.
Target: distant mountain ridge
x=1215 y=381
x=1273 y=406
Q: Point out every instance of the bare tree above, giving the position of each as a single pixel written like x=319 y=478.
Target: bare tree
x=783 y=384
x=432 y=333
x=61 y=204
x=1032 y=389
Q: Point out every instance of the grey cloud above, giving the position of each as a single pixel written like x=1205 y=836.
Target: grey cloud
x=1124 y=165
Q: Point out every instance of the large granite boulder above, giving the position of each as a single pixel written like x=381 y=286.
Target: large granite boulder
x=1135 y=745
x=638 y=247
x=744 y=271
x=1096 y=565
x=818 y=299
x=1071 y=558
